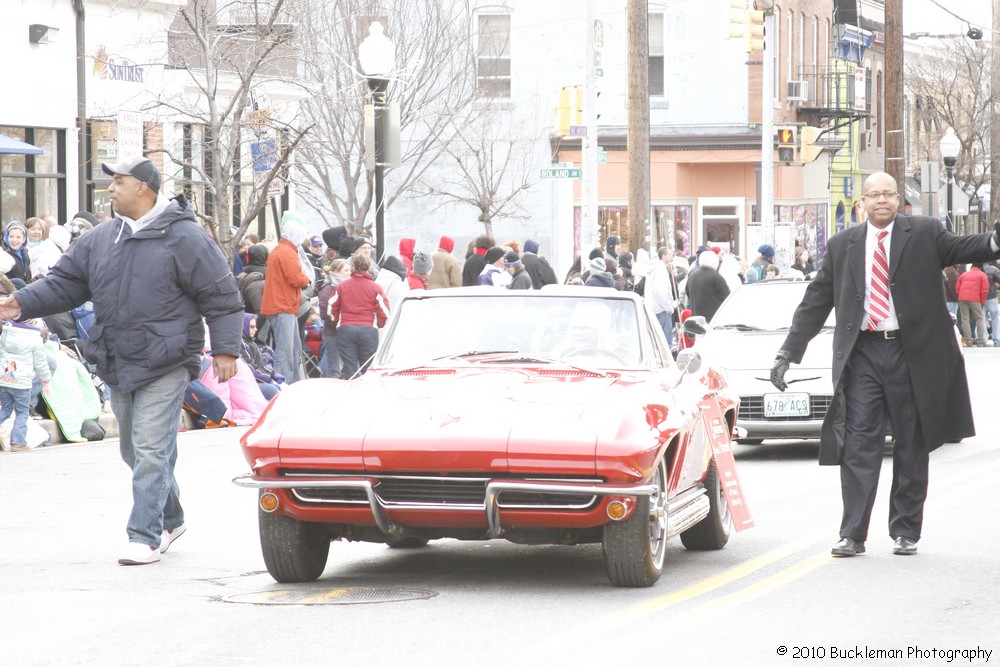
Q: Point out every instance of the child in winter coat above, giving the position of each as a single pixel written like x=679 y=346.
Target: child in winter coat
x=21 y=357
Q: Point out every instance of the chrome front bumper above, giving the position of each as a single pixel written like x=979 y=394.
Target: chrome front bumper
x=491 y=505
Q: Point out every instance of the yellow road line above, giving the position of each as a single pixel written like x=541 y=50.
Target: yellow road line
x=761 y=587
x=712 y=583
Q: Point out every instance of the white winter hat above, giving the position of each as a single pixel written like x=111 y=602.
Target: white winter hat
x=60 y=236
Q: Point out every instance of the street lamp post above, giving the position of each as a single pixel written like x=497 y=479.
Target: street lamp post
x=950 y=146
x=377 y=55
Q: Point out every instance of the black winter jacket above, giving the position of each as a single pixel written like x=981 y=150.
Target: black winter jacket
x=150 y=292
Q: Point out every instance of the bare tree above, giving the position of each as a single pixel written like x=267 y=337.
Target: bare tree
x=434 y=82
x=229 y=51
x=493 y=155
x=953 y=90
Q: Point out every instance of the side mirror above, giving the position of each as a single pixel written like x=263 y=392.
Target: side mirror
x=696 y=325
x=688 y=361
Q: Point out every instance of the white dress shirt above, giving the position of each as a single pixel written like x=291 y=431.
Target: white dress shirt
x=890 y=323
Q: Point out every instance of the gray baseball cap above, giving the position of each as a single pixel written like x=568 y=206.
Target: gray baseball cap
x=141 y=169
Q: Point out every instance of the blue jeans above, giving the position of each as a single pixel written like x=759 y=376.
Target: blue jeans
x=330 y=357
x=16 y=401
x=666 y=320
x=992 y=309
x=287 y=346
x=148 y=419
x=356 y=344
x=268 y=390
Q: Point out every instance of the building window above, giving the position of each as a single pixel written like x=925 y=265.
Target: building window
x=657 y=64
x=815 y=47
x=721 y=227
x=877 y=129
x=193 y=180
x=802 y=45
x=776 y=51
x=790 y=45
x=33 y=185
x=493 y=56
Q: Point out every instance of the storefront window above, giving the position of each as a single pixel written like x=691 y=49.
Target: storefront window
x=103 y=147
x=33 y=185
x=673 y=228
x=809 y=222
x=15 y=201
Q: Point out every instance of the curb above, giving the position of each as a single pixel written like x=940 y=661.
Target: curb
x=108 y=422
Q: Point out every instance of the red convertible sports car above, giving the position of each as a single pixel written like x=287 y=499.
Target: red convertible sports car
x=554 y=416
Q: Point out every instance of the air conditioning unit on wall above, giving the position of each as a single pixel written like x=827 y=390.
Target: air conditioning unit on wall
x=798 y=91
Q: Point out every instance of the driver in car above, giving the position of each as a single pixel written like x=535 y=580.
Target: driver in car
x=589 y=332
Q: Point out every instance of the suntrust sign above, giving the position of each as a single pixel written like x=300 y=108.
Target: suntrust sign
x=123 y=70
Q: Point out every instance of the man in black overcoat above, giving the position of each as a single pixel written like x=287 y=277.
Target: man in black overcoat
x=902 y=368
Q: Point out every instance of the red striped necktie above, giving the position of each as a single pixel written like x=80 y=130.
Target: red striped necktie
x=878 y=297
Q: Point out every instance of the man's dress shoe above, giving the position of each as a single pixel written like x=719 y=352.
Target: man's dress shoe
x=848 y=547
x=904 y=547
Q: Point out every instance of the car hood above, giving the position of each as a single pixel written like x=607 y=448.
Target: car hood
x=755 y=350
x=501 y=420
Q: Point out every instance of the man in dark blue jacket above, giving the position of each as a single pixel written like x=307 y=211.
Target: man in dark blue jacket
x=153 y=275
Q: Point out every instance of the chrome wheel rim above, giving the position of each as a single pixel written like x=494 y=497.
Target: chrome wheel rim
x=658 y=516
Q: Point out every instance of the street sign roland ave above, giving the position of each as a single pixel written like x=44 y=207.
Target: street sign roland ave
x=560 y=173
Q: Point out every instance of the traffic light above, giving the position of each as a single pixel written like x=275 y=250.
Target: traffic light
x=737 y=19
x=808 y=150
x=748 y=23
x=755 y=30
x=568 y=111
x=786 y=144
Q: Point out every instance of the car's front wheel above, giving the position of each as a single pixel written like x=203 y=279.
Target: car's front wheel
x=293 y=550
x=712 y=532
x=634 y=549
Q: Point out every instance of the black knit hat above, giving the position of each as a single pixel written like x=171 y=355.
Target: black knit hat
x=493 y=254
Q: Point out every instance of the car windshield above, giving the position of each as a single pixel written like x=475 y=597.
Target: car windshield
x=589 y=332
x=766 y=306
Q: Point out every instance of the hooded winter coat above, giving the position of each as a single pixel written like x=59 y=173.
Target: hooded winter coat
x=22 y=356
x=406 y=247
x=150 y=291
x=22 y=262
x=251 y=279
x=447 y=271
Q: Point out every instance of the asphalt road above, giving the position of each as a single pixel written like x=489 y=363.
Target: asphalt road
x=773 y=596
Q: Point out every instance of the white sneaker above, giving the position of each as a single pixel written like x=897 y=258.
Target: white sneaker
x=168 y=537
x=139 y=554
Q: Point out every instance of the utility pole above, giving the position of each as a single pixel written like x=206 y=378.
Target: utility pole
x=995 y=117
x=637 y=53
x=895 y=162
x=588 y=144
x=767 y=131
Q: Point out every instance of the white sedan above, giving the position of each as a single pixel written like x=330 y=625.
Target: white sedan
x=743 y=339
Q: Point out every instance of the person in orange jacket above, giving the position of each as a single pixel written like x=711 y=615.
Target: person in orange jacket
x=283 y=284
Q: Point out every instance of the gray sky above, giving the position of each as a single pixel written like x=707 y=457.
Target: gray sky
x=926 y=16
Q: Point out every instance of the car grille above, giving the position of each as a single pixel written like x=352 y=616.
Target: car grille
x=457 y=492
x=752 y=409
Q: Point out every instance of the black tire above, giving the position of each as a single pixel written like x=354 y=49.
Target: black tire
x=294 y=551
x=635 y=549
x=404 y=542
x=750 y=441
x=712 y=532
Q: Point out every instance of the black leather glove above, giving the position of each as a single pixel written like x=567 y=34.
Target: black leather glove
x=779 y=369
